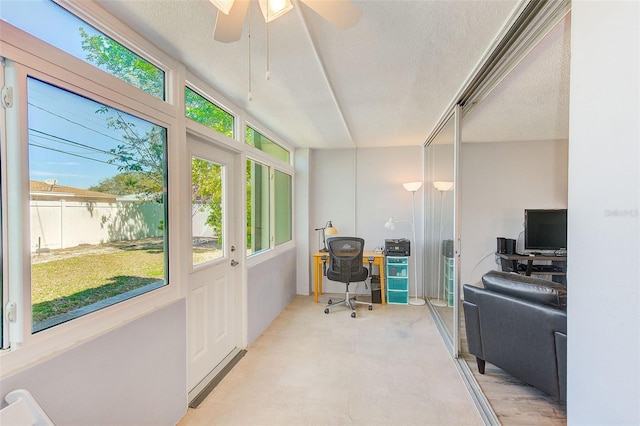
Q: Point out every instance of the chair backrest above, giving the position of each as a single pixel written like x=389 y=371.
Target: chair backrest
x=345 y=259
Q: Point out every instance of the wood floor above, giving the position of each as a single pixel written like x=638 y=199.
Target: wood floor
x=513 y=401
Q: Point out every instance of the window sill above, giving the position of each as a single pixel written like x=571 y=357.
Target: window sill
x=265 y=255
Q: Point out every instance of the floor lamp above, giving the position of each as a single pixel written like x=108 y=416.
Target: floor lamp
x=413 y=187
x=442 y=187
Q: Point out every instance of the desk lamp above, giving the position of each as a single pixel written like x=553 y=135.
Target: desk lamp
x=328 y=229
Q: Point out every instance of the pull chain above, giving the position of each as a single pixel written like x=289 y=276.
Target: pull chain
x=268 y=74
x=249 y=95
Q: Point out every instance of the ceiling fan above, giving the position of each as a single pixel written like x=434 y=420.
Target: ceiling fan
x=231 y=14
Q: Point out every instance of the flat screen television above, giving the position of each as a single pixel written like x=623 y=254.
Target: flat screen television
x=545 y=229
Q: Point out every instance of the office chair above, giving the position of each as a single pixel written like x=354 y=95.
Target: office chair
x=345 y=265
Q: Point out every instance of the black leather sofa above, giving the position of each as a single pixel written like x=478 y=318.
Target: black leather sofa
x=519 y=324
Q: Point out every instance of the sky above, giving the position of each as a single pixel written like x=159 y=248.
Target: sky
x=69 y=141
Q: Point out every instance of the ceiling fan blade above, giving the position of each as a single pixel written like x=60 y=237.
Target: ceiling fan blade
x=341 y=13
x=229 y=27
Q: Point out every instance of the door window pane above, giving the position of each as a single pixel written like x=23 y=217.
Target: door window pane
x=206 y=112
x=266 y=145
x=206 y=210
x=257 y=207
x=283 y=206
x=53 y=24
x=97 y=204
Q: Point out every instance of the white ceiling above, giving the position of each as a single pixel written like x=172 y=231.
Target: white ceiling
x=384 y=82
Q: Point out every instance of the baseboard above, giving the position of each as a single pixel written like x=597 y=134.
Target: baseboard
x=214 y=378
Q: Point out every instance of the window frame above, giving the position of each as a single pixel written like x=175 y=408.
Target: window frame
x=28 y=57
x=270 y=162
x=26 y=164
x=249 y=125
x=194 y=84
x=273 y=163
x=120 y=33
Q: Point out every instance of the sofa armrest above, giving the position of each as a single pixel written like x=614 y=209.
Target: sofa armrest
x=561 y=351
x=472 y=321
x=519 y=336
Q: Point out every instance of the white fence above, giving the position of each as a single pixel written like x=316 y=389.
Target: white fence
x=64 y=224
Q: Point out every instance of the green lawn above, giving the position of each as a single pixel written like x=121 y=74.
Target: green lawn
x=60 y=286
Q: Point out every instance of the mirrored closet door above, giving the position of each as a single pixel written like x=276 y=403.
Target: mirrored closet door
x=440 y=255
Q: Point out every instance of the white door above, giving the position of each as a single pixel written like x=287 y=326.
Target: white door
x=212 y=290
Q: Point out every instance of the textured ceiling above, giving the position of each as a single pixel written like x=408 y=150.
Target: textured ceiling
x=384 y=82
x=532 y=102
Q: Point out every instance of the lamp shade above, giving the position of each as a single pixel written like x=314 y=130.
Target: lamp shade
x=412 y=186
x=330 y=230
x=443 y=185
x=272 y=9
x=223 y=6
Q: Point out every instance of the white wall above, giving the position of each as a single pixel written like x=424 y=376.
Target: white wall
x=499 y=181
x=133 y=375
x=604 y=203
x=303 y=232
x=359 y=190
x=271 y=285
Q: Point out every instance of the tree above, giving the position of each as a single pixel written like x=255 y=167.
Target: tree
x=120 y=62
x=123 y=184
x=206 y=187
x=141 y=156
x=206 y=112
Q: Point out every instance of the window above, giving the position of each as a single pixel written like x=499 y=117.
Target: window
x=257 y=207
x=283 y=206
x=266 y=201
x=206 y=112
x=206 y=210
x=54 y=25
x=97 y=205
x=266 y=145
x=270 y=219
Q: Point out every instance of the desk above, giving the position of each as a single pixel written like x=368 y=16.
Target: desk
x=378 y=259
x=509 y=263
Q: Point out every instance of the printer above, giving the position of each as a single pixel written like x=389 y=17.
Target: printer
x=401 y=247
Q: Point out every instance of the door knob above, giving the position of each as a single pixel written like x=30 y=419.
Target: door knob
x=234 y=262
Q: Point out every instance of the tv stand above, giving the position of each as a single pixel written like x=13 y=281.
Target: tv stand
x=525 y=265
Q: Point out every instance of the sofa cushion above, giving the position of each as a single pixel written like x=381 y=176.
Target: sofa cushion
x=528 y=288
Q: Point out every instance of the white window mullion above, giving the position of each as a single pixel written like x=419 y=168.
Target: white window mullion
x=17 y=277
x=272 y=209
x=3 y=178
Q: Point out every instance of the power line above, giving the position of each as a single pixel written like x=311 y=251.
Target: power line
x=74 y=122
x=69 y=153
x=62 y=140
x=73 y=143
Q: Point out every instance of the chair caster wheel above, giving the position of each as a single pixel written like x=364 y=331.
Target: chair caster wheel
x=326 y=310
x=370 y=307
x=353 y=314
x=330 y=302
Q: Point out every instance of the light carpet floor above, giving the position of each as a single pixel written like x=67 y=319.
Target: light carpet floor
x=388 y=366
